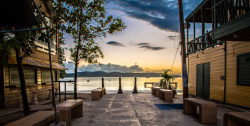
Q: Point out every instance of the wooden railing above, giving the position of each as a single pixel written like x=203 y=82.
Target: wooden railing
x=227 y=10
x=65 y=89
x=202 y=42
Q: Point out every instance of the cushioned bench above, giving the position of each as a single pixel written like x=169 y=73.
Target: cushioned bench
x=166 y=95
x=207 y=110
x=40 y=118
x=236 y=119
x=70 y=108
x=96 y=94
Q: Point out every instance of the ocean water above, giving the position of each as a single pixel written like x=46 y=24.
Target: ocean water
x=86 y=84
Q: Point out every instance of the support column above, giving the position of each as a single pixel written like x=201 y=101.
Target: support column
x=188 y=47
x=202 y=28
x=202 y=20
x=183 y=50
x=59 y=93
x=187 y=32
x=65 y=97
x=194 y=25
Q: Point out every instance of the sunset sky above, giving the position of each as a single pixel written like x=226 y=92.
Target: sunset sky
x=149 y=42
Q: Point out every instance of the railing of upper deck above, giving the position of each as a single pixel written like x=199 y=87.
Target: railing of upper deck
x=202 y=42
x=227 y=10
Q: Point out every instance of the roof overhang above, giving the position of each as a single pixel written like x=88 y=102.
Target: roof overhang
x=36 y=62
x=195 y=16
x=17 y=13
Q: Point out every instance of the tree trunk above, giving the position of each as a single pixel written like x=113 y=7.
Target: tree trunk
x=22 y=83
x=76 y=66
x=76 y=62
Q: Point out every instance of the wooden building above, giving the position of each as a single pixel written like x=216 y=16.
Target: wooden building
x=219 y=59
x=36 y=68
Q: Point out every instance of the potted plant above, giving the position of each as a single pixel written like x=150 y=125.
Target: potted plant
x=164 y=83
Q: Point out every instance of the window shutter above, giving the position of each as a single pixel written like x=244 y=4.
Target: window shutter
x=243 y=71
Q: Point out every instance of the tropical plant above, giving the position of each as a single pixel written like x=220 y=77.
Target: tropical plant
x=167 y=78
x=86 y=21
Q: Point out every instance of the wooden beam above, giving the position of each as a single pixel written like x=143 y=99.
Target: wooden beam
x=183 y=51
x=187 y=33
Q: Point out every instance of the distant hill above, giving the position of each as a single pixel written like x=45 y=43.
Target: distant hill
x=115 y=74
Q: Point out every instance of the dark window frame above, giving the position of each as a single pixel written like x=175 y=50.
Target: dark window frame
x=55 y=76
x=238 y=82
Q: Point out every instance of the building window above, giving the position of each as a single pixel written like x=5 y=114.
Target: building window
x=55 y=79
x=243 y=69
x=46 y=78
x=28 y=75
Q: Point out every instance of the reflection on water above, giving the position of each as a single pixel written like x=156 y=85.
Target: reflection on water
x=86 y=84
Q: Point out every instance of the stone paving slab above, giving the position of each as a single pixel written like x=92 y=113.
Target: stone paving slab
x=136 y=110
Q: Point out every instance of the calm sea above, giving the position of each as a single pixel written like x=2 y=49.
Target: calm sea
x=86 y=84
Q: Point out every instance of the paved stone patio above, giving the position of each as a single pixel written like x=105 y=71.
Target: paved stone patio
x=136 y=110
x=122 y=110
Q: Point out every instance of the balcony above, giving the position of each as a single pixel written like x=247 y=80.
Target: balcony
x=232 y=20
x=43 y=46
x=229 y=20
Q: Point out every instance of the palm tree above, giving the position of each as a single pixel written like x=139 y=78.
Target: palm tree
x=164 y=83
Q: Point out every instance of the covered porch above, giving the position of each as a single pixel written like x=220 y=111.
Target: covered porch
x=216 y=21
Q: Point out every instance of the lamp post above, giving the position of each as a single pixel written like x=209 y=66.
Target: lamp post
x=135 y=87
x=120 y=87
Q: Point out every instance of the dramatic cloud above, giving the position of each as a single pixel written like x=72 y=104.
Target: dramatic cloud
x=152 y=47
x=173 y=37
x=148 y=46
x=160 y=13
x=143 y=44
x=114 y=43
x=104 y=67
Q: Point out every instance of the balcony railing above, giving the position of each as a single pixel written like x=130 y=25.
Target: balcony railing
x=53 y=44
x=202 y=42
x=227 y=10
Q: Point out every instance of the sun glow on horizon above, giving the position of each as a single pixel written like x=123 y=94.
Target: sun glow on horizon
x=141 y=43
